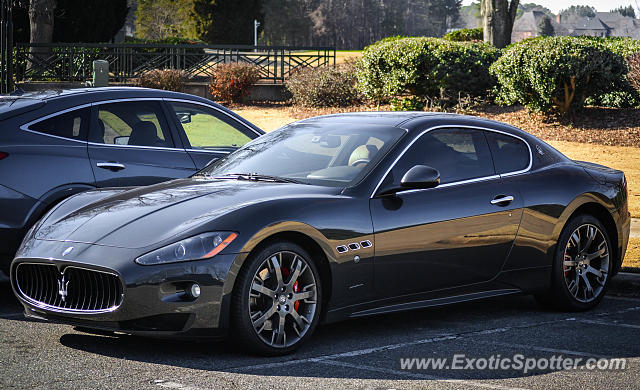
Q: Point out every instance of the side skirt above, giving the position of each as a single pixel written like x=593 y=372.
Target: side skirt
x=434 y=302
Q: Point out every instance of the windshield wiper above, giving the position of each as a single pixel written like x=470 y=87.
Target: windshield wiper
x=258 y=177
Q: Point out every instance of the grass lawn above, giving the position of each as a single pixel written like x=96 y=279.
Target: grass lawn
x=632 y=258
x=341 y=55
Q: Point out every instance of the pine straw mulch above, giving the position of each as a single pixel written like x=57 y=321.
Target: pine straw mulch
x=595 y=125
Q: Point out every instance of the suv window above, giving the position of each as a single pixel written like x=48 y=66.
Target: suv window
x=206 y=128
x=509 y=154
x=139 y=123
x=72 y=125
x=458 y=154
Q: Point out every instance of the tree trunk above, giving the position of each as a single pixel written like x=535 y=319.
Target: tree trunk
x=41 y=26
x=41 y=20
x=497 y=21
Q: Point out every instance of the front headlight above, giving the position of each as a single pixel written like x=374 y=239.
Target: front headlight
x=203 y=246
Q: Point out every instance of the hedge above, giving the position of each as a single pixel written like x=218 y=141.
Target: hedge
x=560 y=72
x=465 y=34
x=324 y=87
x=425 y=67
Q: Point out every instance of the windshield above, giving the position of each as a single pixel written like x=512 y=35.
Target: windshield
x=323 y=154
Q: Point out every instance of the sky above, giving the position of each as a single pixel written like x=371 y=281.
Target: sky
x=557 y=5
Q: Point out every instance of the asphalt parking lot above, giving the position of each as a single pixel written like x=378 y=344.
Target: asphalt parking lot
x=363 y=353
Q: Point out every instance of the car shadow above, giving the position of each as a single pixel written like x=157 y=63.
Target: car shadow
x=371 y=348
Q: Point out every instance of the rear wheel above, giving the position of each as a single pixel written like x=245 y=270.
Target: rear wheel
x=276 y=303
x=581 y=266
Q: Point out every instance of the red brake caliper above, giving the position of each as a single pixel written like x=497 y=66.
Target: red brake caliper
x=296 y=288
x=566 y=270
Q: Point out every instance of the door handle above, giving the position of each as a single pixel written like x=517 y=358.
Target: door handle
x=112 y=166
x=502 y=200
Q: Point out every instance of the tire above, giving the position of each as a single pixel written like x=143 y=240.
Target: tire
x=266 y=316
x=581 y=267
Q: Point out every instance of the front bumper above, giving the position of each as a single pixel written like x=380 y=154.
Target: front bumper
x=154 y=298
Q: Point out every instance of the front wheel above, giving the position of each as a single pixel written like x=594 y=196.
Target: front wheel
x=277 y=299
x=581 y=266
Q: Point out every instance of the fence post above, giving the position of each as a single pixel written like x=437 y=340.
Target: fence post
x=281 y=66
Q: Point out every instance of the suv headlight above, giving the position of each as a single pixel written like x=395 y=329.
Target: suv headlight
x=203 y=246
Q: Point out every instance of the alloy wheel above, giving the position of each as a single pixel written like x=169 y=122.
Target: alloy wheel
x=586 y=263
x=282 y=300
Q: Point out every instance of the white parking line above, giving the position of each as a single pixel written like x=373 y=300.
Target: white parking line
x=544 y=349
x=173 y=385
x=389 y=347
x=618 y=324
x=417 y=375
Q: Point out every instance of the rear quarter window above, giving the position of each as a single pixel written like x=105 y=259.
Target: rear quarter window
x=510 y=154
x=71 y=125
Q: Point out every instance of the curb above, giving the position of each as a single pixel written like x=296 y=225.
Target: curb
x=626 y=283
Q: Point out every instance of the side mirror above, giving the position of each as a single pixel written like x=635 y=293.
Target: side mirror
x=420 y=176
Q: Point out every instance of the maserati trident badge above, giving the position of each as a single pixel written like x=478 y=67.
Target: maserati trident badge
x=63 y=284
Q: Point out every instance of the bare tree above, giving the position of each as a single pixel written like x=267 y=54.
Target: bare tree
x=497 y=21
x=41 y=20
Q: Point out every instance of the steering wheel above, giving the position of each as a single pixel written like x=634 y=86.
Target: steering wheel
x=360 y=161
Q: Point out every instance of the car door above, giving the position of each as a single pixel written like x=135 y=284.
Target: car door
x=130 y=144
x=457 y=233
x=207 y=133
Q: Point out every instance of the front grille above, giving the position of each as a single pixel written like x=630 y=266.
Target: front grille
x=76 y=289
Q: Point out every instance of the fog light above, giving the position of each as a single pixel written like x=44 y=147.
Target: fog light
x=194 y=291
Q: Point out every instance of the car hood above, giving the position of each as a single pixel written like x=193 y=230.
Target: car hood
x=143 y=216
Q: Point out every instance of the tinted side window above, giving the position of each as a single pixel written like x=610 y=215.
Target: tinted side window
x=206 y=128
x=509 y=154
x=139 y=123
x=72 y=125
x=458 y=154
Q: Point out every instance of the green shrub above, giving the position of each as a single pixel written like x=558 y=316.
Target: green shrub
x=167 y=79
x=465 y=34
x=324 y=87
x=425 y=67
x=410 y=103
x=624 y=94
x=231 y=82
x=561 y=72
x=621 y=46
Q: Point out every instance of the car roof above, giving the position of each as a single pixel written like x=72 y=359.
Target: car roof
x=91 y=95
x=53 y=94
x=411 y=120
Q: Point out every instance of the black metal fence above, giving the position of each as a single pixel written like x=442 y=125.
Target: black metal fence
x=73 y=62
x=6 y=46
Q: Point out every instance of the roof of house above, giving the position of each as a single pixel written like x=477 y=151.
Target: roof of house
x=593 y=24
x=530 y=20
